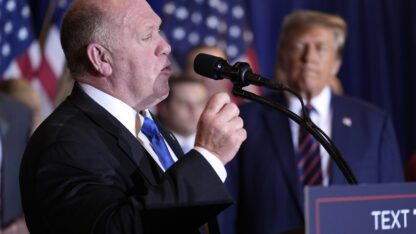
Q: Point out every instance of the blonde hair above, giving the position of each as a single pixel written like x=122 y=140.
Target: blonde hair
x=302 y=19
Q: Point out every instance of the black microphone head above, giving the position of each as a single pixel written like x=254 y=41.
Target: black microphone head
x=209 y=65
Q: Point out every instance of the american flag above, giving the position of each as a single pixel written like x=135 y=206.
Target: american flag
x=23 y=55
x=220 y=23
x=53 y=58
x=20 y=53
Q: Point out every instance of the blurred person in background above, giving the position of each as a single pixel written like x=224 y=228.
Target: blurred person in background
x=15 y=129
x=181 y=110
x=269 y=188
x=65 y=85
x=336 y=86
x=22 y=90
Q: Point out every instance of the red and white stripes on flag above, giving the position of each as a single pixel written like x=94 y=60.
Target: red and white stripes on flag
x=51 y=68
x=22 y=56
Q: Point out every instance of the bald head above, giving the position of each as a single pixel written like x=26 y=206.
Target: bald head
x=82 y=24
x=93 y=21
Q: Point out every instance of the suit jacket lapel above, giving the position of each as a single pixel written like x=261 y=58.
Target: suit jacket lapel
x=170 y=138
x=4 y=127
x=341 y=136
x=4 y=122
x=126 y=141
x=138 y=154
x=279 y=130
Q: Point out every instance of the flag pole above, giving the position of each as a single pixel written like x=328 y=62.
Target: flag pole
x=46 y=23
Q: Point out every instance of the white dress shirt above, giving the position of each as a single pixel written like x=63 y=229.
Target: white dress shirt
x=322 y=117
x=126 y=115
x=186 y=142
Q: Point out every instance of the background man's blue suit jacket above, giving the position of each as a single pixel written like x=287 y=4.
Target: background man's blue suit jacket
x=263 y=177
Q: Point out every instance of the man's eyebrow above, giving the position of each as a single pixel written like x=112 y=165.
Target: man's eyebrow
x=151 y=25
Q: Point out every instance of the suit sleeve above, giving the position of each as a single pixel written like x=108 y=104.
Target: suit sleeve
x=79 y=192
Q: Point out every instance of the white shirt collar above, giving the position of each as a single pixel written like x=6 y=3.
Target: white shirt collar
x=321 y=103
x=124 y=113
x=186 y=142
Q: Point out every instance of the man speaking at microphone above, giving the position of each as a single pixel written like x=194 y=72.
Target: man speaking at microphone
x=279 y=158
x=100 y=163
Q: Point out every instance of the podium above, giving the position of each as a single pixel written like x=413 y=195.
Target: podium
x=378 y=208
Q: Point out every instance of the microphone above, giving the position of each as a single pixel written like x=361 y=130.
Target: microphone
x=240 y=73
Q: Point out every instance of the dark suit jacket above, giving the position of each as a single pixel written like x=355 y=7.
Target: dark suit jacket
x=15 y=129
x=84 y=172
x=263 y=177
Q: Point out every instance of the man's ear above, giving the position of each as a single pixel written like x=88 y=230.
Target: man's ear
x=336 y=66
x=100 y=59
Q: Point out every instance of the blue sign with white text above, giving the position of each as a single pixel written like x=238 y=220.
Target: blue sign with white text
x=382 y=208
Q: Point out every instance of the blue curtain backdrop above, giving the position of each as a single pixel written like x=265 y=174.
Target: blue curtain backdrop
x=379 y=64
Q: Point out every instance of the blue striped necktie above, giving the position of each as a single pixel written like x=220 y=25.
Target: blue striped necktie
x=150 y=129
x=308 y=156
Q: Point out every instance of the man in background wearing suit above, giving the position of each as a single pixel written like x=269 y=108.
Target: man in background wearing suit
x=100 y=163
x=15 y=129
x=269 y=187
x=181 y=110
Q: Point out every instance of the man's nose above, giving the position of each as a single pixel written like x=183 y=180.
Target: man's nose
x=164 y=47
x=309 y=53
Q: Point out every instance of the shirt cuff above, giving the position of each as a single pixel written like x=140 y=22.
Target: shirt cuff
x=215 y=163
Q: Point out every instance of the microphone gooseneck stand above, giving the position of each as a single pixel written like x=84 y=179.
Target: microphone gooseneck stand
x=319 y=135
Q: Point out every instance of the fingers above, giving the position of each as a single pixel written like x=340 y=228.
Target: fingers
x=228 y=112
x=234 y=124
x=221 y=107
x=221 y=113
x=220 y=128
x=216 y=103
